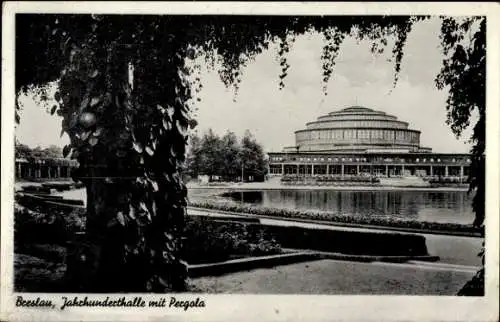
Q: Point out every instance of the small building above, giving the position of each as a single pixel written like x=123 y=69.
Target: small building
x=44 y=168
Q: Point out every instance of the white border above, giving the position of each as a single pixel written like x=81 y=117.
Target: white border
x=257 y=307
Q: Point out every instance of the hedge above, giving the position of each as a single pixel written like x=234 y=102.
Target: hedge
x=341 y=241
x=55 y=226
x=209 y=241
x=337 y=218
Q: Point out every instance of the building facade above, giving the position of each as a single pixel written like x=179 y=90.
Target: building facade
x=44 y=168
x=361 y=141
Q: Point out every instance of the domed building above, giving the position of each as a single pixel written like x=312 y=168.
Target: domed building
x=357 y=129
x=358 y=140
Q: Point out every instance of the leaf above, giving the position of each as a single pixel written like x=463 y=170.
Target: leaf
x=57 y=96
x=53 y=110
x=149 y=151
x=93 y=141
x=84 y=135
x=66 y=150
x=154 y=184
x=131 y=212
x=94 y=74
x=163 y=282
x=84 y=104
x=94 y=101
x=181 y=128
x=98 y=131
x=120 y=218
x=166 y=124
x=138 y=147
x=143 y=206
x=112 y=222
x=193 y=123
x=170 y=111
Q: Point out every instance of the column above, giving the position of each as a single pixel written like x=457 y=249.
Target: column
x=312 y=169
x=403 y=170
x=446 y=171
x=432 y=172
x=58 y=171
x=282 y=169
x=342 y=170
x=461 y=173
x=19 y=170
x=327 y=169
x=298 y=168
x=386 y=170
x=357 y=170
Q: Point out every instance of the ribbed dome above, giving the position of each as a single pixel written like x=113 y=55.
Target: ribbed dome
x=355 y=109
x=357 y=128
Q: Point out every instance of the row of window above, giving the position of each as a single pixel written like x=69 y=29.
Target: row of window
x=345 y=124
x=388 y=135
x=371 y=117
x=417 y=160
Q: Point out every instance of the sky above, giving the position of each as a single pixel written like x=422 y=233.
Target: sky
x=272 y=115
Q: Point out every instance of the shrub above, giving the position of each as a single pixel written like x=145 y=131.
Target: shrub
x=209 y=241
x=55 y=226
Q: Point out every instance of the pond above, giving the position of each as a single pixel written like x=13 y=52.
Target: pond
x=433 y=206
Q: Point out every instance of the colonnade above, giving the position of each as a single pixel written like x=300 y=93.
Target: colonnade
x=371 y=169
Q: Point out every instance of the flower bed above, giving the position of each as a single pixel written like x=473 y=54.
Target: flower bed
x=337 y=218
x=328 y=179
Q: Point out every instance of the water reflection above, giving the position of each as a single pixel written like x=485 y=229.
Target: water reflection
x=442 y=206
x=435 y=206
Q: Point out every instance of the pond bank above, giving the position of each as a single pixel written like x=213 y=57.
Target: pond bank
x=277 y=186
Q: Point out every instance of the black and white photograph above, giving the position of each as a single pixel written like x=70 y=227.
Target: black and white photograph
x=186 y=155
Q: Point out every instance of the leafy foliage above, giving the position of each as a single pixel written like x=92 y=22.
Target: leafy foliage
x=226 y=157
x=252 y=158
x=209 y=241
x=464 y=74
x=24 y=151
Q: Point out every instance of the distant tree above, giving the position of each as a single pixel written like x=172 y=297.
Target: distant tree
x=53 y=151
x=22 y=150
x=210 y=154
x=230 y=153
x=193 y=156
x=252 y=158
